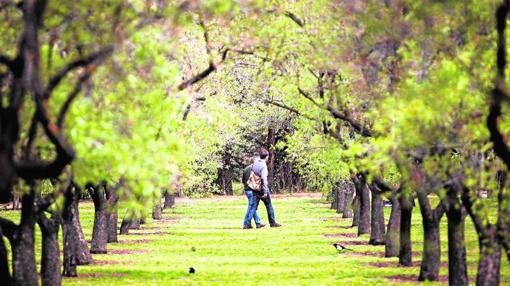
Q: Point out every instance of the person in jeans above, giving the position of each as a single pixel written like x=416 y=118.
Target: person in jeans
x=249 y=194
x=260 y=169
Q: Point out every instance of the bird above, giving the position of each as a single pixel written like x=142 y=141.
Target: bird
x=191 y=270
x=340 y=247
x=193 y=249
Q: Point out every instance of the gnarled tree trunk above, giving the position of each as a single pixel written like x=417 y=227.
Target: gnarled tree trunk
x=99 y=233
x=364 y=203
x=392 y=245
x=349 y=196
x=457 y=267
x=340 y=198
x=111 y=213
x=23 y=249
x=405 y=256
x=377 y=218
x=50 y=257
x=490 y=259
x=76 y=251
x=431 y=257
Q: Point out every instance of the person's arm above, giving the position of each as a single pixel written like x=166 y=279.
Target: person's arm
x=263 y=176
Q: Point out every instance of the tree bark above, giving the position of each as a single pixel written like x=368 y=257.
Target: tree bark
x=340 y=199
x=50 y=257
x=405 y=257
x=156 y=211
x=334 y=199
x=457 y=267
x=364 y=210
x=112 y=213
x=124 y=226
x=377 y=219
x=23 y=252
x=490 y=259
x=392 y=246
x=356 y=210
x=76 y=251
x=169 y=200
x=349 y=194
x=431 y=257
x=99 y=233
x=271 y=144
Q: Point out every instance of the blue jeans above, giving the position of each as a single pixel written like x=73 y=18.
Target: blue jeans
x=269 y=207
x=250 y=212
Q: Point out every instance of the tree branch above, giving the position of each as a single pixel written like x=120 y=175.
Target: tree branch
x=89 y=62
x=293 y=110
x=294 y=18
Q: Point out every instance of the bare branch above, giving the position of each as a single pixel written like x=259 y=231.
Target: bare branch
x=293 y=110
x=70 y=98
x=90 y=62
x=294 y=18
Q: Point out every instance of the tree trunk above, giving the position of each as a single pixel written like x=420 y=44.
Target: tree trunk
x=356 y=207
x=135 y=223
x=23 y=252
x=405 y=257
x=349 y=194
x=334 y=199
x=431 y=257
x=392 y=246
x=457 y=267
x=364 y=211
x=377 y=219
x=16 y=204
x=169 y=200
x=124 y=226
x=111 y=213
x=50 y=257
x=76 y=251
x=490 y=259
x=5 y=275
x=271 y=145
x=156 y=211
x=340 y=200
x=99 y=233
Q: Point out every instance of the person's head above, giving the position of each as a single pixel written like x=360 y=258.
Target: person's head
x=263 y=153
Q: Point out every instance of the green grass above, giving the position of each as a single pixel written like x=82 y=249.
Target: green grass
x=296 y=254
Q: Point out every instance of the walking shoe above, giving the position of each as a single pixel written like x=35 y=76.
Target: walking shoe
x=260 y=225
x=247 y=226
x=276 y=225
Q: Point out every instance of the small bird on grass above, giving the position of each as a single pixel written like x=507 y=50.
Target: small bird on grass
x=191 y=270
x=340 y=247
x=193 y=249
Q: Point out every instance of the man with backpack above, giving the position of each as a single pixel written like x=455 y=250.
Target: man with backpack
x=257 y=182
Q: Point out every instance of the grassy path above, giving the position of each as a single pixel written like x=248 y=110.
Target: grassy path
x=207 y=235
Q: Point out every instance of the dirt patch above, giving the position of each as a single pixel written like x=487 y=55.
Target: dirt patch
x=389 y=264
x=148 y=233
x=337 y=235
x=353 y=242
x=375 y=253
x=111 y=262
x=127 y=251
x=98 y=275
x=339 y=226
x=413 y=278
x=135 y=241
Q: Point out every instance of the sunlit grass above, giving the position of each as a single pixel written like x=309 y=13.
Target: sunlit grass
x=207 y=236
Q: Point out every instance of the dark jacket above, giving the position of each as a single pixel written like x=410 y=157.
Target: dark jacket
x=246 y=176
